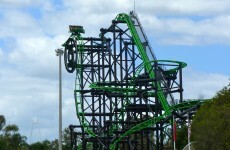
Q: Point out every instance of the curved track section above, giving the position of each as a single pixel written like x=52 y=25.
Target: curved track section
x=144 y=56
x=121 y=88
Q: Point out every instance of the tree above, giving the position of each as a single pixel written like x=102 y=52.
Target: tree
x=211 y=124
x=12 y=139
x=182 y=137
x=54 y=144
x=44 y=145
x=2 y=122
x=11 y=129
x=66 y=139
x=17 y=141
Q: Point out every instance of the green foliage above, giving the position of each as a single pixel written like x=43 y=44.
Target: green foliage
x=3 y=142
x=2 y=122
x=39 y=146
x=44 y=145
x=182 y=137
x=11 y=129
x=11 y=139
x=211 y=124
x=66 y=139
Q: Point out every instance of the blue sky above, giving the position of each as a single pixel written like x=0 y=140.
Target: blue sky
x=194 y=31
x=206 y=58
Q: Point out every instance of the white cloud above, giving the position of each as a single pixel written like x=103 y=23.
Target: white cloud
x=35 y=56
x=28 y=76
x=178 y=27
x=1 y=55
x=18 y=24
x=18 y=3
x=202 y=85
x=185 y=31
x=100 y=6
x=27 y=97
x=181 y=7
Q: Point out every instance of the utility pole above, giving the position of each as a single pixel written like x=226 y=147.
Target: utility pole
x=59 y=52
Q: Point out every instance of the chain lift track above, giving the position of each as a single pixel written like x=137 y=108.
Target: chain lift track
x=124 y=96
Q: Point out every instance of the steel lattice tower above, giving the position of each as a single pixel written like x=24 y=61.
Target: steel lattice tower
x=124 y=96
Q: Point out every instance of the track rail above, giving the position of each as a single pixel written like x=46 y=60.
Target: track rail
x=148 y=57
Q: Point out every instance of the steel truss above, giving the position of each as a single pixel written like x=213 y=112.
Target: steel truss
x=123 y=101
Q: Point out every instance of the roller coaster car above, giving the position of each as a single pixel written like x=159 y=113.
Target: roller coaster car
x=170 y=75
x=76 y=29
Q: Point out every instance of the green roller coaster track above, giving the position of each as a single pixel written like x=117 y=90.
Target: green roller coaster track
x=147 y=65
x=126 y=18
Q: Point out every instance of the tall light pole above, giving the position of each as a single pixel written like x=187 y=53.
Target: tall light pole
x=59 y=52
x=189 y=130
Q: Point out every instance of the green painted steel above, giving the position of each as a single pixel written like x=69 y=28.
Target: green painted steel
x=147 y=65
x=143 y=125
x=126 y=18
x=128 y=91
x=187 y=104
x=76 y=35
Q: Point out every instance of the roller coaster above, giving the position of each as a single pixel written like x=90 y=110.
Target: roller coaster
x=124 y=96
